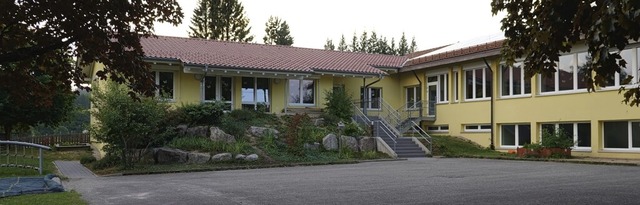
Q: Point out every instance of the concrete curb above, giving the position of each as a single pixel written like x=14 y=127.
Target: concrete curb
x=549 y=160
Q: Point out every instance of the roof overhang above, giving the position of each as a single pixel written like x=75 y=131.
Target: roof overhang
x=211 y=70
x=457 y=59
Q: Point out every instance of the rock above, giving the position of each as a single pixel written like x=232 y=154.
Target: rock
x=220 y=136
x=314 y=146
x=263 y=131
x=198 y=158
x=221 y=157
x=240 y=157
x=198 y=131
x=349 y=142
x=251 y=158
x=169 y=155
x=330 y=142
x=368 y=144
x=182 y=129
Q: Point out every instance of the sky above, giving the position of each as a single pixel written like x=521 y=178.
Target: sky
x=432 y=22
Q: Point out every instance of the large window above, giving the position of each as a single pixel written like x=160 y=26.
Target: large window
x=515 y=135
x=301 y=92
x=621 y=135
x=440 y=81
x=569 y=75
x=477 y=83
x=216 y=88
x=164 y=80
x=513 y=82
x=374 y=97
x=413 y=97
x=580 y=133
x=632 y=58
x=255 y=93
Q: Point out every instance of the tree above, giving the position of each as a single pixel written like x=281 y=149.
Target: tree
x=277 y=32
x=538 y=31
x=107 y=32
x=354 y=43
x=403 y=47
x=414 y=45
x=223 y=20
x=342 y=46
x=329 y=45
x=364 y=43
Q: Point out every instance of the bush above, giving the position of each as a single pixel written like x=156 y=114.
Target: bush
x=339 y=104
x=87 y=159
x=353 y=129
x=206 y=145
x=106 y=162
x=294 y=133
x=556 y=139
x=202 y=114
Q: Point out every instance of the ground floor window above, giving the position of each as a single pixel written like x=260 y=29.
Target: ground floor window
x=621 y=135
x=438 y=128
x=217 y=88
x=164 y=80
x=477 y=128
x=374 y=97
x=301 y=92
x=255 y=94
x=515 y=135
x=580 y=132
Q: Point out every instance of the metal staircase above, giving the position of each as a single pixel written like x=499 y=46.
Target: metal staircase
x=397 y=127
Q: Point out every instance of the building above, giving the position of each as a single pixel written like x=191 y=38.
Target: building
x=462 y=89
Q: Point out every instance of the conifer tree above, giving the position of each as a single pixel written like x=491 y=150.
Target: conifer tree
x=403 y=47
x=329 y=45
x=342 y=46
x=220 y=20
x=277 y=32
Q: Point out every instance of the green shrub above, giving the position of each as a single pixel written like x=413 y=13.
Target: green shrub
x=330 y=121
x=294 y=133
x=107 y=161
x=202 y=114
x=339 y=104
x=206 y=145
x=556 y=139
x=353 y=129
x=87 y=159
x=233 y=127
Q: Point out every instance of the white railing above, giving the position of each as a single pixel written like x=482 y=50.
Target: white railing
x=21 y=154
x=387 y=130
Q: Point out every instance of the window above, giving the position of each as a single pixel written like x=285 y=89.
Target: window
x=255 y=93
x=579 y=132
x=164 y=80
x=374 y=98
x=477 y=83
x=477 y=128
x=218 y=88
x=440 y=81
x=631 y=57
x=438 y=128
x=301 y=92
x=455 y=86
x=413 y=97
x=621 y=135
x=515 y=135
x=513 y=82
x=569 y=74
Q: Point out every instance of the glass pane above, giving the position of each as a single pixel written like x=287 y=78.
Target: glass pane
x=584 y=134
x=627 y=71
x=262 y=90
x=444 y=127
x=471 y=127
x=517 y=79
x=455 y=86
x=508 y=135
x=410 y=97
x=210 y=88
x=468 y=80
x=432 y=79
x=485 y=127
x=225 y=88
x=547 y=83
x=504 y=74
x=550 y=128
x=567 y=128
x=294 y=91
x=375 y=97
x=478 y=83
x=524 y=134
x=635 y=134
x=308 y=91
x=616 y=135
x=583 y=59
x=527 y=81
x=248 y=87
x=418 y=96
x=565 y=73
x=443 y=88
x=166 y=84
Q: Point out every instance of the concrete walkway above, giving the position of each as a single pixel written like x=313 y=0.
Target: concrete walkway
x=73 y=170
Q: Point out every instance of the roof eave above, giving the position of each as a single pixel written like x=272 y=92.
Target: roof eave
x=457 y=59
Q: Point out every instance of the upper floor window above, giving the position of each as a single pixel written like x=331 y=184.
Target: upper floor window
x=569 y=75
x=632 y=58
x=302 y=92
x=440 y=82
x=164 y=80
x=513 y=82
x=477 y=83
x=413 y=97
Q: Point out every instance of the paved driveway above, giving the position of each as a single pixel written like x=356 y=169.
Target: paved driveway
x=415 y=181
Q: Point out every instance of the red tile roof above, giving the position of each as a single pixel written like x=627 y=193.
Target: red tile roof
x=250 y=56
x=483 y=47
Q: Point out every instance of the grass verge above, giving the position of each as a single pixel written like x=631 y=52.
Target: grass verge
x=60 y=198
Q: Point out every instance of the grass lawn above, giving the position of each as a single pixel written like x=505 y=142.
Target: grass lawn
x=61 y=198
x=457 y=147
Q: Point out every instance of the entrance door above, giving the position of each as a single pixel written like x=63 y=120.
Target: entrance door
x=432 y=94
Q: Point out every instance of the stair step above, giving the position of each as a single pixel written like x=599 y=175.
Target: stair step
x=412 y=156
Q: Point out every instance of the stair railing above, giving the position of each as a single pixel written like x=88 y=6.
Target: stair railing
x=387 y=130
x=423 y=134
x=359 y=114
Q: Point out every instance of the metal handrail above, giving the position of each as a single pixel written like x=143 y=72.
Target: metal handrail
x=361 y=114
x=424 y=135
x=392 y=135
x=40 y=148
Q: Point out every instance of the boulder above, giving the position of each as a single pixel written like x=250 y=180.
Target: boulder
x=198 y=158
x=349 y=142
x=330 y=142
x=198 y=131
x=314 y=146
x=182 y=129
x=262 y=131
x=240 y=157
x=251 y=157
x=220 y=136
x=169 y=155
x=368 y=144
x=221 y=157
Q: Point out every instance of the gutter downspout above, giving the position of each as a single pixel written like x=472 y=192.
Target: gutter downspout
x=492 y=146
x=420 y=84
x=366 y=93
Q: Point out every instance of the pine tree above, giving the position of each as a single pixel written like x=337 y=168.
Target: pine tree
x=392 y=47
x=343 y=44
x=403 y=48
x=329 y=45
x=414 y=45
x=224 y=20
x=354 y=43
x=277 y=32
x=364 y=42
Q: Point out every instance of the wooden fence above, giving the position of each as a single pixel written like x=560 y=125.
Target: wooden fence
x=51 y=140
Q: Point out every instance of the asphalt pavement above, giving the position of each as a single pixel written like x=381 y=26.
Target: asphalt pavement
x=413 y=181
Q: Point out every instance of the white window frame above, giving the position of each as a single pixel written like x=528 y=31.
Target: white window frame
x=301 y=92
x=634 y=65
x=370 y=91
x=517 y=136
x=442 y=84
x=523 y=82
x=473 y=89
x=218 y=90
x=173 y=83
x=455 y=86
x=629 y=135
x=556 y=77
x=255 y=102
x=438 y=128
x=416 y=94
x=575 y=133
x=477 y=127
